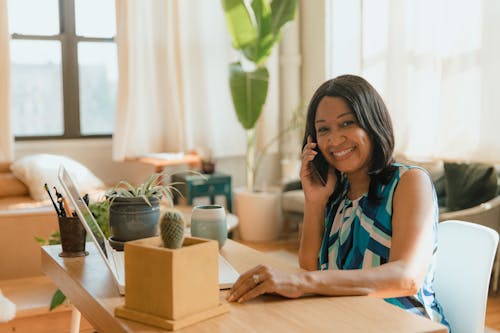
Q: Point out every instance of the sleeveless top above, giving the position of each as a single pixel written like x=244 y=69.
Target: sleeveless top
x=358 y=235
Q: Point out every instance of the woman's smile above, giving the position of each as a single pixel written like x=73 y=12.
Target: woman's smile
x=340 y=155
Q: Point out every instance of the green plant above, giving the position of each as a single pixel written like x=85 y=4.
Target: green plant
x=153 y=187
x=254 y=31
x=100 y=210
x=172 y=229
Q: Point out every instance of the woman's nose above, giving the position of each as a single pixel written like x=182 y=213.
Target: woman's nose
x=336 y=138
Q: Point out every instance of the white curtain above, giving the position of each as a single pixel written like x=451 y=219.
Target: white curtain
x=173 y=80
x=436 y=63
x=6 y=139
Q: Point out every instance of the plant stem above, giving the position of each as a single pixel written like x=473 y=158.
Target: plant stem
x=250 y=159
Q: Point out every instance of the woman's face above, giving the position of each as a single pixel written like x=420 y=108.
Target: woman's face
x=341 y=140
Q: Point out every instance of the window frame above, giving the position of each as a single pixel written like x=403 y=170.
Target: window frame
x=70 y=72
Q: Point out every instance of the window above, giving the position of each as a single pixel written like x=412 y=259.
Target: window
x=63 y=68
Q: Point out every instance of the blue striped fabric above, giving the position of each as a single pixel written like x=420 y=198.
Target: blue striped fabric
x=358 y=234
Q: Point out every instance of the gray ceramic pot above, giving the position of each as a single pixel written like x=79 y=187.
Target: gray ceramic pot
x=133 y=218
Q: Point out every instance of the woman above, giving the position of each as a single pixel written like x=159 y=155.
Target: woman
x=371 y=229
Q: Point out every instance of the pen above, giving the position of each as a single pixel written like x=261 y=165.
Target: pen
x=66 y=207
x=61 y=204
x=86 y=199
x=52 y=199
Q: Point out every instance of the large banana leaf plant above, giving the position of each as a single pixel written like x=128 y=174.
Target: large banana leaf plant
x=255 y=27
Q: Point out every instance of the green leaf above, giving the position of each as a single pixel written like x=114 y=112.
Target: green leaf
x=57 y=299
x=100 y=210
x=259 y=51
x=249 y=92
x=282 y=11
x=239 y=23
x=41 y=241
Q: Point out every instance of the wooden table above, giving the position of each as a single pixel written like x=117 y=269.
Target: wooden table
x=89 y=286
x=192 y=160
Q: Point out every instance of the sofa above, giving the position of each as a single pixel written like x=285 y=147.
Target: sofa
x=22 y=219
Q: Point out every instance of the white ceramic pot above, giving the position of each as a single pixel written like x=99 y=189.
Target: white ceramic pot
x=259 y=215
x=209 y=221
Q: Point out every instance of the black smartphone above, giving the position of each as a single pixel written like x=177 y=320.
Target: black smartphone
x=320 y=167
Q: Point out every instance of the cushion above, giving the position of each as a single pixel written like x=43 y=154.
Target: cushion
x=440 y=187
x=293 y=201
x=468 y=185
x=36 y=170
x=11 y=186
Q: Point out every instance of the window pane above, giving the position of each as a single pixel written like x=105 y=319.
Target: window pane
x=34 y=17
x=98 y=87
x=95 y=18
x=36 y=88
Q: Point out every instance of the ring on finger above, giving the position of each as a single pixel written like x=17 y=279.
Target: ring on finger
x=256 y=278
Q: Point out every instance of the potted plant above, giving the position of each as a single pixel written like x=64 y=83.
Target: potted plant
x=255 y=29
x=171 y=281
x=134 y=211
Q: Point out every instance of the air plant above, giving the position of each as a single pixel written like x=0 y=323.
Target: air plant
x=153 y=188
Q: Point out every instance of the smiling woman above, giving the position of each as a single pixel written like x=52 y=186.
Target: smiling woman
x=370 y=230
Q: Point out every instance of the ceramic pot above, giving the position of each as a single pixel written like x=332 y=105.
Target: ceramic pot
x=259 y=215
x=72 y=237
x=133 y=218
x=209 y=221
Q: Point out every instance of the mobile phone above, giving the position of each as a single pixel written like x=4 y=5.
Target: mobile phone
x=320 y=167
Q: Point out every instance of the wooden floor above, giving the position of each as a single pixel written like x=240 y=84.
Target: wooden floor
x=292 y=245
x=493 y=311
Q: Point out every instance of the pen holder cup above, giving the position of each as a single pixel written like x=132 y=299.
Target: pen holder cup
x=73 y=236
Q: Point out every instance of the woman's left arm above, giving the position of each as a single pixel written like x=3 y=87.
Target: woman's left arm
x=412 y=233
x=410 y=255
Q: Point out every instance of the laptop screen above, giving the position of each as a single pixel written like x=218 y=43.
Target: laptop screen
x=75 y=198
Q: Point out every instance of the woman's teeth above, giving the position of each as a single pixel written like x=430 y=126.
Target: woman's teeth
x=343 y=152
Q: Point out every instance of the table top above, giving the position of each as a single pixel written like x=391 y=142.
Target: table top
x=89 y=286
x=193 y=160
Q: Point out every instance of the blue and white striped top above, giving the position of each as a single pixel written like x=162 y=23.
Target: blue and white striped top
x=358 y=235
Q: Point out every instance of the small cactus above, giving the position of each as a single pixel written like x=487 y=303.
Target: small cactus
x=172 y=229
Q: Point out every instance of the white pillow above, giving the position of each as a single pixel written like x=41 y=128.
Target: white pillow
x=36 y=170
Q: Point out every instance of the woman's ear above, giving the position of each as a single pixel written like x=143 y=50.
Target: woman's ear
x=7 y=309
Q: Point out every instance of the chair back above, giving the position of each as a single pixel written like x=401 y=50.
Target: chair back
x=464 y=261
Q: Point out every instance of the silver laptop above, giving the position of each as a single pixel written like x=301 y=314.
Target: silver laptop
x=113 y=259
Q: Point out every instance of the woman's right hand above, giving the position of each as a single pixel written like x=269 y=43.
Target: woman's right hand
x=314 y=191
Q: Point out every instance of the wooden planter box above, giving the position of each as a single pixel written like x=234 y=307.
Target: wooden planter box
x=171 y=288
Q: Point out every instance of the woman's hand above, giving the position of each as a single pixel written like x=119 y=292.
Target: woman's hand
x=314 y=191
x=264 y=279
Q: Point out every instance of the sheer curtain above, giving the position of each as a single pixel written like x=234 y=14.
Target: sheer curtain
x=6 y=140
x=435 y=63
x=173 y=81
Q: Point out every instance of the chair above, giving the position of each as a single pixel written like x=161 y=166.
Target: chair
x=464 y=262
x=487 y=214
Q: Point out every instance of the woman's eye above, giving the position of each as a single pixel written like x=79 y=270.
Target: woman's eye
x=347 y=123
x=321 y=130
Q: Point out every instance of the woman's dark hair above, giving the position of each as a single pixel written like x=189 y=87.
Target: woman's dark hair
x=372 y=115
